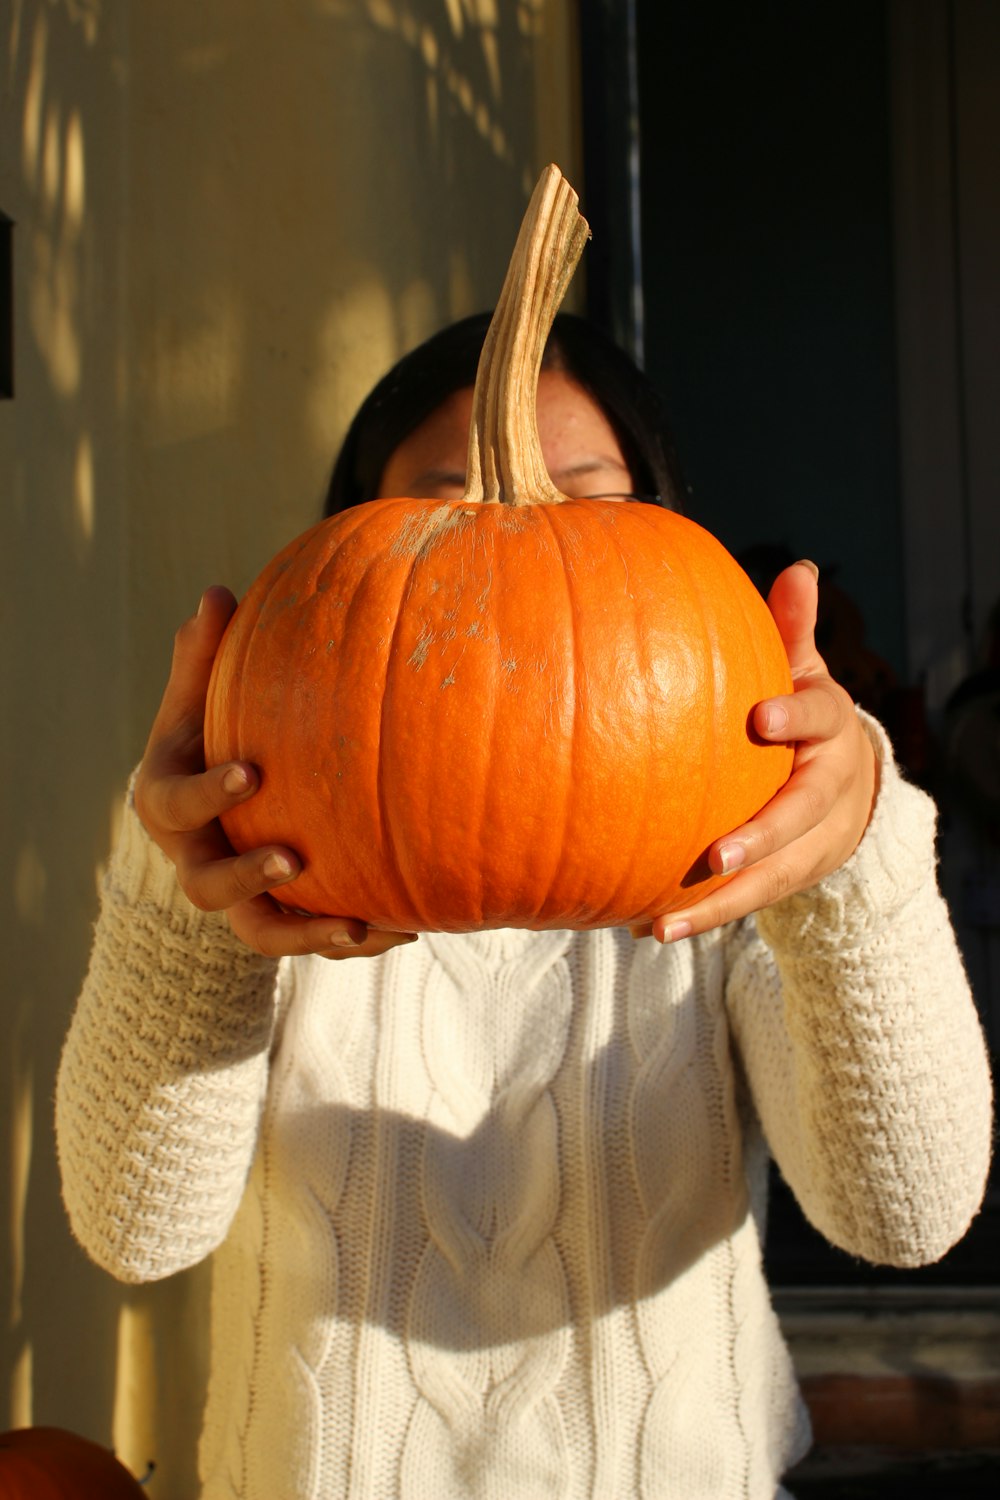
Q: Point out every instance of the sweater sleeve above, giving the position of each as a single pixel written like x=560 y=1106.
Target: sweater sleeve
x=163 y=1072
x=862 y=1045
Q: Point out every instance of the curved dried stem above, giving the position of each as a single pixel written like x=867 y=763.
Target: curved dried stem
x=505 y=462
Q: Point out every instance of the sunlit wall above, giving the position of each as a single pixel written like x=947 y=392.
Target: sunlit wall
x=229 y=219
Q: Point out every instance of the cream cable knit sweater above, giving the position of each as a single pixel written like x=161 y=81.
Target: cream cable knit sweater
x=486 y=1211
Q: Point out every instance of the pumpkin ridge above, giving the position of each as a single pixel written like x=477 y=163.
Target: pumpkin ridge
x=549 y=516
x=552 y=515
x=640 y=678
x=387 y=837
x=710 y=747
x=653 y=521
x=372 y=524
x=372 y=520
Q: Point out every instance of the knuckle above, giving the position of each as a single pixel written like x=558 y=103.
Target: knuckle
x=714 y=914
x=306 y=942
x=195 y=891
x=260 y=942
x=842 y=705
x=816 y=803
x=140 y=801
x=171 y=810
x=266 y=944
x=184 y=632
x=253 y=932
x=247 y=878
x=182 y=637
x=766 y=840
x=778 y=881
x=187 y=802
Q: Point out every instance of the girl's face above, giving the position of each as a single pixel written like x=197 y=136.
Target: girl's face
x=582 y=453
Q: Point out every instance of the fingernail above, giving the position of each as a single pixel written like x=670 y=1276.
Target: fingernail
x=674 y=931
x=805 y=562
x=235 y=781
x=279 y=867
x=775 y=718
x=351 y=936
x=731 y=856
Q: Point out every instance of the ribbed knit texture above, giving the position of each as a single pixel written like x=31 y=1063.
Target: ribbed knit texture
x=488 y=1207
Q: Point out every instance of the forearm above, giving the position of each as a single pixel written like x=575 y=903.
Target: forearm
x=867 y=1059
x=163 y=1072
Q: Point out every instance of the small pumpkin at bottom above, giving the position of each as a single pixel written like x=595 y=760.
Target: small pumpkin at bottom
x=51 y=1463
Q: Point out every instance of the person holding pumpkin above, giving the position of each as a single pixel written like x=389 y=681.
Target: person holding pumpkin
x=487 y=1208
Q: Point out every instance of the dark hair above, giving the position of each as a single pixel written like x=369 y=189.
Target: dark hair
x=447 y=362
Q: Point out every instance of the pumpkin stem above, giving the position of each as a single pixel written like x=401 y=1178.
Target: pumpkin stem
x=505 y=453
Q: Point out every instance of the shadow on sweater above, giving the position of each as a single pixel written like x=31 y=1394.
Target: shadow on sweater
x=518 y=1229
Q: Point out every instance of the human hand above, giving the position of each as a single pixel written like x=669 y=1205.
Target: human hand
x=816 y=821
x=179 y=803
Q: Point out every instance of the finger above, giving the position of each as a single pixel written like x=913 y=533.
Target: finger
x=760 y=886
x=802 y=805
x=765 y=859
x=793 y=601
x=195 y=646
x=377 y=942
x=213 y=882
x=818 y=711
x=184 y=800
x=278 y=934
x=266 y=928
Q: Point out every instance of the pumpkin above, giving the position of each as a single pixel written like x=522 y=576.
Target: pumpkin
x=49 y=1463
x=512 y=710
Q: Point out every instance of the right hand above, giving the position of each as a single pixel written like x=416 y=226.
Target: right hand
x=178 y=803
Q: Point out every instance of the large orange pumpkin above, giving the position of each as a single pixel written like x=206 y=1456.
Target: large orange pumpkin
x=49 y=1463
x=512 y=710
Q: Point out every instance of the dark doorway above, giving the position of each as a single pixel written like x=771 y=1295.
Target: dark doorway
x=760 y=283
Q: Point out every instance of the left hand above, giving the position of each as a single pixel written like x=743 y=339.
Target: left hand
x=817 y=819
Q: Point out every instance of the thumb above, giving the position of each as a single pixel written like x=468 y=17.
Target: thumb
x=793 y=601
x=195 y=646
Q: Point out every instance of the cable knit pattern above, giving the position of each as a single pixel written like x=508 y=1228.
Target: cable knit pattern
x=681 y=1169
x=488 y=1208
x=490 y=1279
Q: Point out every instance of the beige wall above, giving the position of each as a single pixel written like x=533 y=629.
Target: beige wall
x=230 y=218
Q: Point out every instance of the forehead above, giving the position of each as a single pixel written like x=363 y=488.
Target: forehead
x=576 y=437
x=575 y=431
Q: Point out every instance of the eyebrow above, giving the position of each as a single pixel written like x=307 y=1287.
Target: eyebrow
x=435 y=477
x=592 y=465
x=440 y=477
